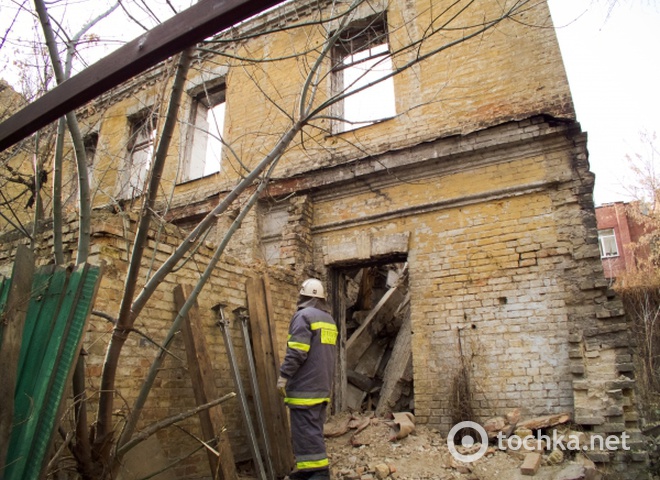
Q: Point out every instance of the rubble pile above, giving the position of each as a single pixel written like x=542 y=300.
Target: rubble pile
x=367 y=447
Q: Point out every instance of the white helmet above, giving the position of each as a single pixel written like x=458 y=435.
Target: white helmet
x=312 y=288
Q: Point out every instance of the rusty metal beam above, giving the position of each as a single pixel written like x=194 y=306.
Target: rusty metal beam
x=191 y=26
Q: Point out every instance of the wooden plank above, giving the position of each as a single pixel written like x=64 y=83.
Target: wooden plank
x=371 y=358
x=14 y=313
x=264 y=346
x=201 y=372
x=396 y=367
x=272 y=337
x=354 y=398
x=338 y=285
x=363 y=337
x=367 y=367
x=361 y=381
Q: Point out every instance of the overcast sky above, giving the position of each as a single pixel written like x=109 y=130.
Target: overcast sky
x=613 y=66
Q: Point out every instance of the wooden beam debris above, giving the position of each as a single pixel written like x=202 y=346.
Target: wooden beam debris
x=266 y=359
x=212 y=420
x=379 y=352
x=363 y=336
x=398 y=363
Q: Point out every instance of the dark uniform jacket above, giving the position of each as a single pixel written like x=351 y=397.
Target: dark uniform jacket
x=309 y=364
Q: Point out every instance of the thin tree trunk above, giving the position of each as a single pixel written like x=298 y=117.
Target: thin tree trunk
x=153 y=428
x=57 y=193
x=61 y=74
x=37 y=166
x=127 y=316
x=82 y=446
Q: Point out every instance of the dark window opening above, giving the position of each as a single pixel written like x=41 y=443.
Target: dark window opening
x=91 y=142
x=140 y=150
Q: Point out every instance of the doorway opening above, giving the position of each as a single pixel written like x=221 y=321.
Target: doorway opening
x=372 y=306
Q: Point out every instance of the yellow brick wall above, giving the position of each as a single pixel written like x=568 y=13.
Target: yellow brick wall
x=483 y=171
x=492 y=78
x=488 y=250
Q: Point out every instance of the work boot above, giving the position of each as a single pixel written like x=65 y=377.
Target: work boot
x=320 y=475
x=299 y=475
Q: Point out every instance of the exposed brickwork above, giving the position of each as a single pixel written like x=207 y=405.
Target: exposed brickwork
x=503 y=253
x=295 y=251
x=484 y=258
x=172 y=392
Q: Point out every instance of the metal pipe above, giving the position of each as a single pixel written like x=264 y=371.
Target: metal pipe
x=242 y=315
x=223 y=323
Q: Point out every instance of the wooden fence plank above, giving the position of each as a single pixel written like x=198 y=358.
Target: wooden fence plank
x=201 y=371
x=14 y=313
x=264 y=346
x=338 y=285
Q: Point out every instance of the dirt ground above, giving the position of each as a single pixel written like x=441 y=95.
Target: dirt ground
x=369 y=450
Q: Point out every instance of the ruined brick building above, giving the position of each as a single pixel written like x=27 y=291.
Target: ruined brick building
x=473 y=172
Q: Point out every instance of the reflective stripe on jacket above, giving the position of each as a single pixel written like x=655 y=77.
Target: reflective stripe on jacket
x=309 y=364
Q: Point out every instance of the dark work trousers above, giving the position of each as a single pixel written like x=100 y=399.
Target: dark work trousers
x=307 y=438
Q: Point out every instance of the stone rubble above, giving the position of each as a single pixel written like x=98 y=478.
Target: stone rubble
x=368 y=450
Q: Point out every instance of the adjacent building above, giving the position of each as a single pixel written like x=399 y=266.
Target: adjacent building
x=618 y=233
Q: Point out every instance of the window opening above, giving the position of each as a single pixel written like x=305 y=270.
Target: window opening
x=607 y=243
x=362 y=58
x=208 y=117
x=91 y=142
x=140 y=151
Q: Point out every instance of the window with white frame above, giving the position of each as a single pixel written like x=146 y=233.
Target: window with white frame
x=607 y=243
x=361 y=64
x=140 y=149
x=204 y=148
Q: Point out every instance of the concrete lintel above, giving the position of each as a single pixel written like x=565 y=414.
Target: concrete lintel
x=367 y=247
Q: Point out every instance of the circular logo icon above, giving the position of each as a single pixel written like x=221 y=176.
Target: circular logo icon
x=467 y=441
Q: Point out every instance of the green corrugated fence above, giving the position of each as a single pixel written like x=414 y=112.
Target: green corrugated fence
x=60 y=304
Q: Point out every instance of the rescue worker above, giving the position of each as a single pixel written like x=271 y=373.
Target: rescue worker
x=306 y=377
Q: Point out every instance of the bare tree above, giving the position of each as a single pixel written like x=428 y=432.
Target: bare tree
x=24 y=169
x=644 y=209
x=639 y=286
